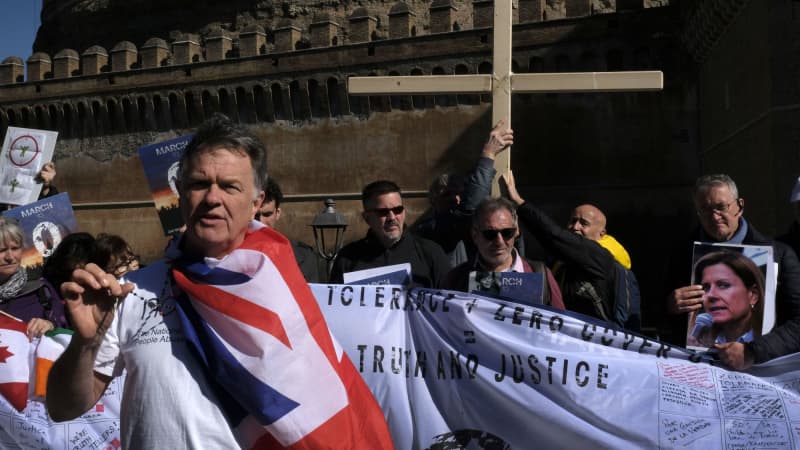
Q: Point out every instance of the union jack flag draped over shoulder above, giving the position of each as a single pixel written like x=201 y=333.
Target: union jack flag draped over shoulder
x=283 y=380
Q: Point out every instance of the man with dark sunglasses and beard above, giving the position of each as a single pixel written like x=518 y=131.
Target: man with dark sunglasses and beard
x=387 y=242
x=494 y=229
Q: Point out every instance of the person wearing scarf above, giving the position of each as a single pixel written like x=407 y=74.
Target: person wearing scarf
x=34 y=301
x=228 y=295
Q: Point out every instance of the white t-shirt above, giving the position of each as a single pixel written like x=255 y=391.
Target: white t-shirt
x=167 y=401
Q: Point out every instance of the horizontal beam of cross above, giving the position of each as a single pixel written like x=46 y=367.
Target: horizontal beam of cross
x=527 y=83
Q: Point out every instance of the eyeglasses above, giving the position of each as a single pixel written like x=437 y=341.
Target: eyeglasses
x=384 y=212
x=130 y=263
x=719 y=208
x=490 y=235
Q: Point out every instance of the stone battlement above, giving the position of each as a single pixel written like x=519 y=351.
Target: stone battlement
x=362 y=25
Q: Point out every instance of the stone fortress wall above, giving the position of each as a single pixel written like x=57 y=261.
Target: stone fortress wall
x=286 y=78
x=286 y=73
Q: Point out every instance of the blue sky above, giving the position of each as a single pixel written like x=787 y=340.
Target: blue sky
x=19 y=20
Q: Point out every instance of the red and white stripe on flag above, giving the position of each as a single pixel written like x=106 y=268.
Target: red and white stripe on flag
x=294 y=354
x=14 y=362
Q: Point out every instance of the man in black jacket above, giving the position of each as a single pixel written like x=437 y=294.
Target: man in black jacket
x=585 y=270
x=387 y=242
x=720 y=211
x=792 y=235
x=268 y=213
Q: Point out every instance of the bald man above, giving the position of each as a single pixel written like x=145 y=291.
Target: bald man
x=585 y=268
x=588 y=221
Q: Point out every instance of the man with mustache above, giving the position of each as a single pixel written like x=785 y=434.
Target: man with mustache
x=387 y=242
x=720 y=211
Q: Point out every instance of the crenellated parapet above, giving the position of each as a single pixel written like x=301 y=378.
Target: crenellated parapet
x=397 y=20
x=176 y=85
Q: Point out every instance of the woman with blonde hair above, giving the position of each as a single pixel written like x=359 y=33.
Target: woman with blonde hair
x=34 y=301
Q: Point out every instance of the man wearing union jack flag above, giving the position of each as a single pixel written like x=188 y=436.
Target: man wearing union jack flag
x=222 y=342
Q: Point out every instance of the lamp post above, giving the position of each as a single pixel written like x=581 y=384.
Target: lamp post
x=329 y=227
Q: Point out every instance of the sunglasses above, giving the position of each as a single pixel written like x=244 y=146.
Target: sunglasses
x=384 y=212
x=490 y=235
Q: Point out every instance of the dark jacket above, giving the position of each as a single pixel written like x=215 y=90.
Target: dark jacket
x=585 y=269
x=458 y=280
x=37 y=300
x=429 y=264
x=451 y=230
x=309 y=262
x=791 y=237
x=785 y=337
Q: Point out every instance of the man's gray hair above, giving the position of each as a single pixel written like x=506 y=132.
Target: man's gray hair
x=491 y=204
x=220 y=131
x=707 y=182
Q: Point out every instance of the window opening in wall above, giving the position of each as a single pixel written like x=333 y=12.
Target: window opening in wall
x=315 y=99
x=191 y=113
x=209 y=105
x=244 y=105
x=334 y=99
x=299 y=109
x=277 y=102
x=260 y=98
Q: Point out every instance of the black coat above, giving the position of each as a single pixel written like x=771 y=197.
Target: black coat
x=785 y=336
x=582 y=265
x=429 y=264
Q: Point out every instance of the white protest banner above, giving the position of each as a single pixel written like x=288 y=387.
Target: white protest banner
x=454 y=370
x=459 y=371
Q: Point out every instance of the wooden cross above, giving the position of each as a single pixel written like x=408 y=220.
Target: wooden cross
x=502 y=83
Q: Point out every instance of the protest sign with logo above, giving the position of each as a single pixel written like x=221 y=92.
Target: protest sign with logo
x=24 y=153
x=161 y=165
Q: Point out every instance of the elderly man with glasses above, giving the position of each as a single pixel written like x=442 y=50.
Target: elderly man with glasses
x=494 y=229
x=387 y=242
x=720 y=212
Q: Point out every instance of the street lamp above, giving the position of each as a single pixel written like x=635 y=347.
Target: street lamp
x=329 y=227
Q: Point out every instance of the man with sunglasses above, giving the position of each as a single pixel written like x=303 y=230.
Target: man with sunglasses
x=494 y=230
x=268 y=213
x=584 y=268
x=720 y=212
x=387 y=242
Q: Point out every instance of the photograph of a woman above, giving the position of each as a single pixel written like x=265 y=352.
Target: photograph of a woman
x=733 y=302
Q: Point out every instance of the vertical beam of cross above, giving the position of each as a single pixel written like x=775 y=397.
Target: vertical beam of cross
x=502 y=82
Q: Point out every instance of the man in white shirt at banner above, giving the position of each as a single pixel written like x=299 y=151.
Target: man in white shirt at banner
x=178 y=332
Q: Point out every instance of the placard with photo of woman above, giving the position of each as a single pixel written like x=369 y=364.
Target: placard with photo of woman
x=739 y=302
